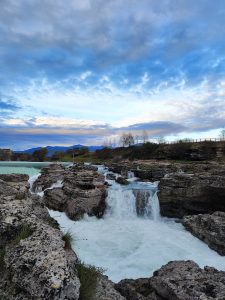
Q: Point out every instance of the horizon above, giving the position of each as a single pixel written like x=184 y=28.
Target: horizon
x=85 y=71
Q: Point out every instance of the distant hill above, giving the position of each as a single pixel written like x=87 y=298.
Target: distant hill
x=52 y=149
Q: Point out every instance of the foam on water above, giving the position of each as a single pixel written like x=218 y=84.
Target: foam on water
x=128 y=246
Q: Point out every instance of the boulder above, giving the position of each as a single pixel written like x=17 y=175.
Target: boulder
x=122 y=180
x=83 y=192
x=210 y=228
x=49 y=176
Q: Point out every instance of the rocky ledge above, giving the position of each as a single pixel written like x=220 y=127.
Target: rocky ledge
x=210 y=228
x=178 y=280
x=78 y=190
x=36 y=259
x=182 y=194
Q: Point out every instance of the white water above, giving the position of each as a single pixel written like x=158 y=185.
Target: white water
x=128 y=246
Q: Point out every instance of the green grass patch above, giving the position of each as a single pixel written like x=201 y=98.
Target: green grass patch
x=68 y=239
x=88 y=276
x=24 y=232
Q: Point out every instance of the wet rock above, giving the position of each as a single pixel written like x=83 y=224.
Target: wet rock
x=83 y=192
x=208 y=228
x=183 y=194
x=110 y=176
x=142 y=197
x=122 y=180
x=49 y=175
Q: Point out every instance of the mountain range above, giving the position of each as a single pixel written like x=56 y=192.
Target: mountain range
x=52 y=149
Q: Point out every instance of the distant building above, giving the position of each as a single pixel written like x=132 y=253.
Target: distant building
x=5 y=154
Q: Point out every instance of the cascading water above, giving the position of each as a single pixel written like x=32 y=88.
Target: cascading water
x=132 y=240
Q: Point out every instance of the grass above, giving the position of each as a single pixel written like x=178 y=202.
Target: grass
x=68 y=239
x=88 y=276
x=24 y=232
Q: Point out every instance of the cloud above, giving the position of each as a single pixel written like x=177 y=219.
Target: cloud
x=96 y=67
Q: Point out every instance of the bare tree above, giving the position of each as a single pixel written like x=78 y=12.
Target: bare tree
x=127 y=139
x=144 y=136
x=161 y=140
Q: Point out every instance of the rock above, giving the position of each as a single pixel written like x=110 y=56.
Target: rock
x=36 y=264
x=105 y=290
x=183 y=194
x=122 y=180
x=138 y=289
x=49 y=176
x=208 y=228
x=17 y=188
x=55 y=199
x=177 y=280
x=83 y=192
x=111 y=176
x=184 y=280
x=142 y=197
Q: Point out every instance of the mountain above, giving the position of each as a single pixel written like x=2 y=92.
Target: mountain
x=52 y=149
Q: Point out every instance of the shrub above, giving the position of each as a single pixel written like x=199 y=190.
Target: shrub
x=24 y=232
x=88 y=276
x=68 y=239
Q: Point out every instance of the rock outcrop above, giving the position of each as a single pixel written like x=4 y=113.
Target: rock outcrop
x=178 y=280
x=34 y=261
x=208 y=228
x=83 y=191
x=183 y=194
x=49 y=175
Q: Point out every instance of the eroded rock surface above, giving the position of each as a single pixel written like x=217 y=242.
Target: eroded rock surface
x=49 y=175
x=178 y=280
x=34 y=261
x=210 y=228
x=183 y=194
x=83 y=191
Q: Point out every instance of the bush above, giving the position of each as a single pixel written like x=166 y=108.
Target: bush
x=68 y=239
x=24 y=232
x=88 y=276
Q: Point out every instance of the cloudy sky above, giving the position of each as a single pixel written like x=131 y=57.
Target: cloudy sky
x=78 y=71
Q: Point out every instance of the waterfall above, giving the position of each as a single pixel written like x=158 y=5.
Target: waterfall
x=121 y=203
x=32 y=179
x=152 y=209
x=133 y=201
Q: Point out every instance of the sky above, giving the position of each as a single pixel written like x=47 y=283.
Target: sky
x=85 y=71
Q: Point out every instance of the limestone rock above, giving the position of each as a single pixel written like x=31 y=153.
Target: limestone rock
x=208 y=228
x=83 y=192
x=49 y=175
x=177 y=280
x=183 y=194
